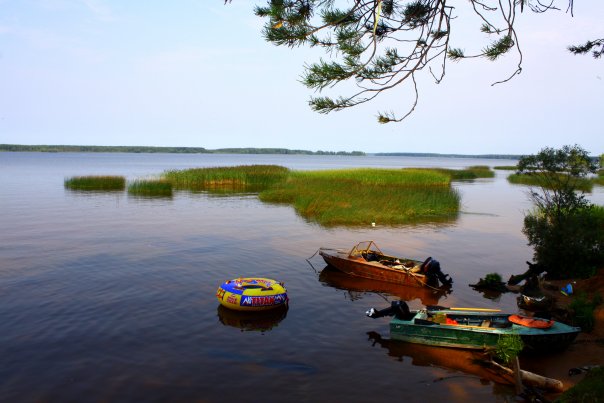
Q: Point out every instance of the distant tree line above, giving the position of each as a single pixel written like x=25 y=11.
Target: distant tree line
x=176 y=150
x=489 y=156
x=101 y=149
x=280 y=151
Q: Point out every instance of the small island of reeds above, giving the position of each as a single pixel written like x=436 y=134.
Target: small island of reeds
x=242 y=178
x=359 y=197
x=353 y=197
x=469 y=173
x=150 y=188
x=96 y=183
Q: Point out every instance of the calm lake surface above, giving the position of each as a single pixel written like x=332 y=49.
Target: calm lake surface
x=106 y=297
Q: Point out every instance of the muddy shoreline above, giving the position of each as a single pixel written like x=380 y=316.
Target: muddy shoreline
x=587 y=349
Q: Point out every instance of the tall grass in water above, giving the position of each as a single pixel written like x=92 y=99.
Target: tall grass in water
x=481 y=171
x=242 y=178
x=583 y=184
x=362 y=196
x=505 y=167
x=150 y=188
x=473 y=172
x=98 y=183
x=599 y=180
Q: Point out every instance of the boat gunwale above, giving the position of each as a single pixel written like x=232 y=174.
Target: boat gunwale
x=558 y=328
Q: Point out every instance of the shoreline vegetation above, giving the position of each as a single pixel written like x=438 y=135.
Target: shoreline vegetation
x=582 y=184
x=352 y=197
x=96 y=183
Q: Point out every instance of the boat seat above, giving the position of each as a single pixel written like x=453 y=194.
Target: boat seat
x=501 y=325
x=424 y=322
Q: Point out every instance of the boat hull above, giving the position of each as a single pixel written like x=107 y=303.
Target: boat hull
x=421 y=331
x=359 y=267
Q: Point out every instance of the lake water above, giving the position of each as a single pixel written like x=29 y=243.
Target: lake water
x=106 y=297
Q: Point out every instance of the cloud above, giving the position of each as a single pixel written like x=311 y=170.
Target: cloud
x=100 y=10
x=47 y=40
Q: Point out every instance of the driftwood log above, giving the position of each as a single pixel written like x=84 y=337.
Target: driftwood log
x=530 y=378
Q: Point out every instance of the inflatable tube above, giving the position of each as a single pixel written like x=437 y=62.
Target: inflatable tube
x=252 y=294
x=537 y=323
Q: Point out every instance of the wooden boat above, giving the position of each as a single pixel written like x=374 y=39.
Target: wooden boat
x=366 y=260
x=471 y=328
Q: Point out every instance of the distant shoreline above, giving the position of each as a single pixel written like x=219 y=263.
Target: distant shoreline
x=249 y=150
x=169 y=150
x=485 y=156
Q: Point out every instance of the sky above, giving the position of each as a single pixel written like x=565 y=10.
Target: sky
x=197 y=73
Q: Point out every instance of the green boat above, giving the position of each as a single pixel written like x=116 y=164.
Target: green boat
x=473 y=328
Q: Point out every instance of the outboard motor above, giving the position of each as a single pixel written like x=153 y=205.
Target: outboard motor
x=431 y=268
x=398 y=308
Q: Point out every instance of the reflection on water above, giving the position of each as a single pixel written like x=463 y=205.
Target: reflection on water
x=149 y=197
x=465 y=361
x=261 y=321
x=489 y=294
x=357 y=287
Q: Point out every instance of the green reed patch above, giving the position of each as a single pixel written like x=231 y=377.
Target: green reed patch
x=506 y=167
x=362 y=196
x=599 y=180
x=473 y=172
x=481 y=171
x=548 y=182
x=508 y=347
x=242 y=178
x=150 y=188
x=96 y=183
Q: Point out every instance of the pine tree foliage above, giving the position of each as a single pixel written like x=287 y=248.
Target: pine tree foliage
x=381 y=44
x=597 y=45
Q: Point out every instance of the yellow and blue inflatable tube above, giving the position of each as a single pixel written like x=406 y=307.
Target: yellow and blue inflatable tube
x=252 y=294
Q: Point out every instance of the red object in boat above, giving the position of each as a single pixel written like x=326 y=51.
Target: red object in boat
x=537 y=323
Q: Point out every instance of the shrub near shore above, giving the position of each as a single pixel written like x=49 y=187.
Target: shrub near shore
x=362 y=196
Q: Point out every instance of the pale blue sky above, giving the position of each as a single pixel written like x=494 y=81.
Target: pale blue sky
x=197 y=73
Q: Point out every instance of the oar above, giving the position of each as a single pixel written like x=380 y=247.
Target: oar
x=442 y=308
